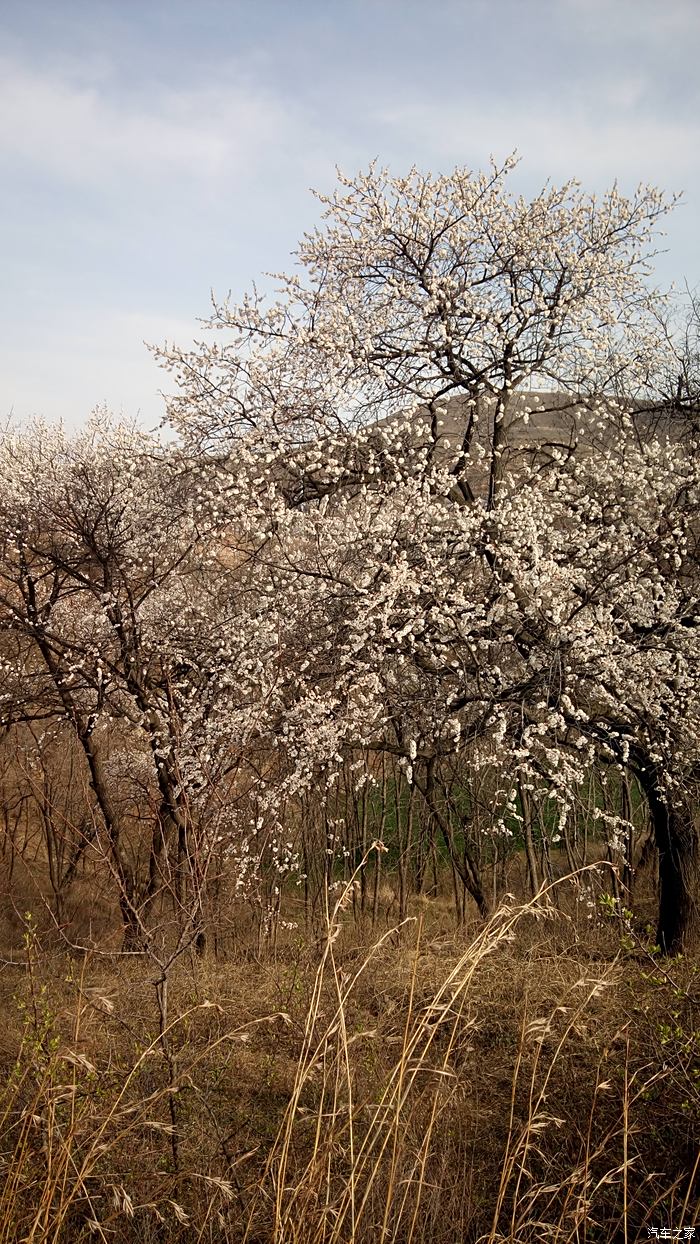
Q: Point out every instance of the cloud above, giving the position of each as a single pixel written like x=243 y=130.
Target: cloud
x=153 y=152
x=88 y=361
x=644 y=21
x=77 y=132
x=557 y=142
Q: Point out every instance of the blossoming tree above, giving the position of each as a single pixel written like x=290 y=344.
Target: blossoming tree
x=523 y=588
x=123 y=633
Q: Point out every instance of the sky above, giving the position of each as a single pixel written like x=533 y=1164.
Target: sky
x=152 y=152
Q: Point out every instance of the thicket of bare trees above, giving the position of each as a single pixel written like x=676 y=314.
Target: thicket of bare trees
x=420 y=568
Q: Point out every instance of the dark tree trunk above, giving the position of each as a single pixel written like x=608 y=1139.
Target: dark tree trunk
x=124 y=873
x=466 y=866
x=677 y=841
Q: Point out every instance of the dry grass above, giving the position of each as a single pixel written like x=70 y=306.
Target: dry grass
x=527 y=1081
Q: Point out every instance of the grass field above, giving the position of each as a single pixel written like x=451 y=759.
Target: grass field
x=533 y=1078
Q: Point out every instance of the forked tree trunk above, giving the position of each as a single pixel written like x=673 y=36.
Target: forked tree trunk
x=677 y=838
x=121 y=865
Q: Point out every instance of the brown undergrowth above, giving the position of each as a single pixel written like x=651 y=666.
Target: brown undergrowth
x=522 y=1081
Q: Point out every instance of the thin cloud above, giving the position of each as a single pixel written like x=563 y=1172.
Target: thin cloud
x=78 y=133
x=84 y=363
x=554 y=143
x=638 y=20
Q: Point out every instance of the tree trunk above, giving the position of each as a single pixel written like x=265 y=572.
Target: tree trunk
x=467 y=866
x=83 y=727
x=678 y=843
x=526 y=809
x=124 y=873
